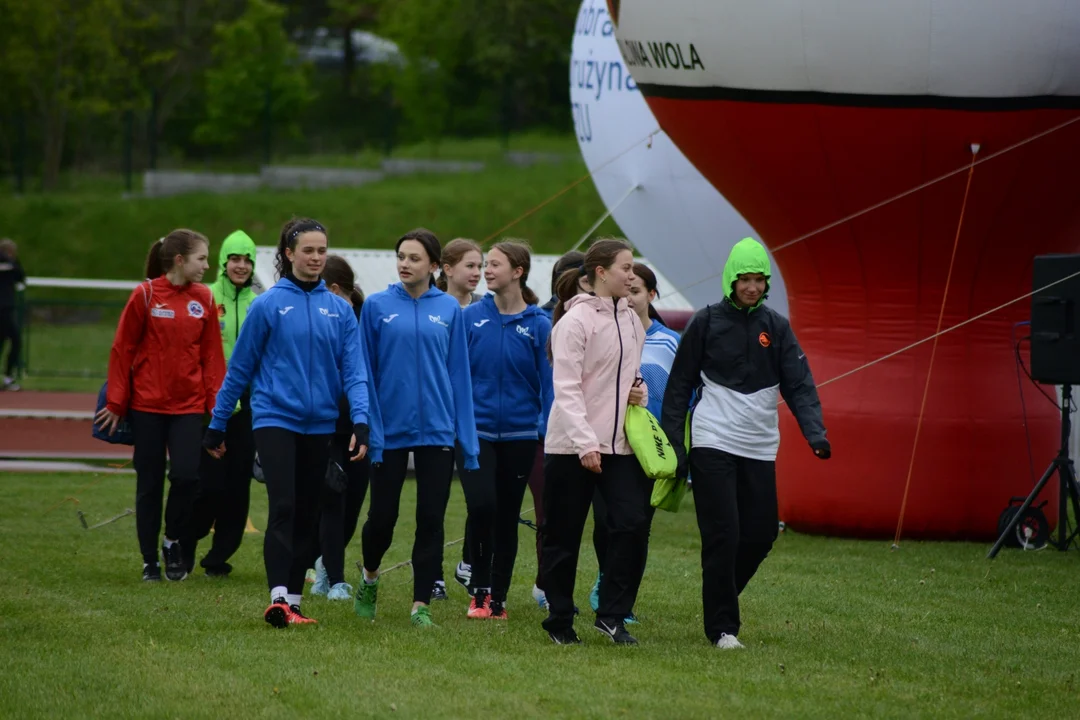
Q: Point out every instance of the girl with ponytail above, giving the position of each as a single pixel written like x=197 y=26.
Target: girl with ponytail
x=596 y=344
x=507 y=337
x=661 y=343
x=165 y=369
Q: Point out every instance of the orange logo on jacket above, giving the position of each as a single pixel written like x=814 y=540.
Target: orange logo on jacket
x=764 y=339
x=221 y=310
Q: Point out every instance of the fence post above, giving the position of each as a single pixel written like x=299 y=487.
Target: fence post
x=20 y=151
x=268 y=129
x=129 y=120
x=151 y=130
x=22 y=318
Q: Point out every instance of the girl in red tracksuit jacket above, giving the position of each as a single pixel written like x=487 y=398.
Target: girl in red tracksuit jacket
x=165 y=369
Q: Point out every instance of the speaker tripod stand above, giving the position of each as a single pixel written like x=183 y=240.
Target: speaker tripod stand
x=1063 y=466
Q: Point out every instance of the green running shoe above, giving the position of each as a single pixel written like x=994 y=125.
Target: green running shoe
x=367 y=597
x=421 y=618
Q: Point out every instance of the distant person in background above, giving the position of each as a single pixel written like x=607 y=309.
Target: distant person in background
x=512 y=391
x=165 y=369
x=12 y=278
x=299 y=350
x=225 y=483
x=422 y=402
x=462 y=264
x=742 y=356
x=661 y=342
x=347 y=482
x=572 y=259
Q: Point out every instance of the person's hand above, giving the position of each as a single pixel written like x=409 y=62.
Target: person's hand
x=107 y=419
x=822 y=449
x=214 y=442
x=591 y=462
x=637 y=396
x=359 y=442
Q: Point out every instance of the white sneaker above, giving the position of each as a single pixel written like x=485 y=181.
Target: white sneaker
x=540 y=598
x=463 y=574
x=341 y=591
x=729 y=642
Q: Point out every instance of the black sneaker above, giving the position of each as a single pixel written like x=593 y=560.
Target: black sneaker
x=439 y=591
x=175 y=566
x=616 y=631
x=565 y=637
x=221 y=570
x=498 y=610
x=151 y=573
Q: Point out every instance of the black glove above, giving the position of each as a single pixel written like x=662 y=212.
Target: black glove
x=822 y=449
x=683 y=470
x=212 y=439
x=360 y=430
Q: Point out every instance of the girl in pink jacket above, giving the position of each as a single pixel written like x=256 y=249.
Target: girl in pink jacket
x=596 y=344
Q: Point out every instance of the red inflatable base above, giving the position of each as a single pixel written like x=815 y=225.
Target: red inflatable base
x=874 y=284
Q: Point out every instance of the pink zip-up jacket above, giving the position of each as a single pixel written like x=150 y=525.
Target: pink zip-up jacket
x=596 y=349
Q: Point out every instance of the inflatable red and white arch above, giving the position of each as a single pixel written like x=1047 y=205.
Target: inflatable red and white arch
x=805 y=112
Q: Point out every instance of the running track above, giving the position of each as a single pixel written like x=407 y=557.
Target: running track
x=52 y=426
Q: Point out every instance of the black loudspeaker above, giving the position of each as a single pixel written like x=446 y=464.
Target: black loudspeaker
x=1055 y=338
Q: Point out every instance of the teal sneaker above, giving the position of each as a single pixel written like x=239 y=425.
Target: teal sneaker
x=341 y=591
x=421 y=618
x=367 y=596
x=322 y=580
x=594 y=596
x=631 y=619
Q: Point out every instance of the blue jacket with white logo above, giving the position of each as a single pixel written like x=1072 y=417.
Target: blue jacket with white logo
x=299 y=351
x=419 y=361
x=511 y=375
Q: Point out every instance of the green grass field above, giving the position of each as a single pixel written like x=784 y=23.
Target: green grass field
x=833 y=628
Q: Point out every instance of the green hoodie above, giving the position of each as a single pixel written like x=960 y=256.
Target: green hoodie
x=747 y=256
x=233 y=302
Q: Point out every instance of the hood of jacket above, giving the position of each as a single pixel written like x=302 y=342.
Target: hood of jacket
x=747 y=256
x=602 y=304
x=235 y=243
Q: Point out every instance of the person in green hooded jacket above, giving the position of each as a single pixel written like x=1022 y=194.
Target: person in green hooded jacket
x=225 y=483
x=740 y=357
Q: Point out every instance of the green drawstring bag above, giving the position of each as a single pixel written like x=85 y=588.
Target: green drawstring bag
x=668 y=493
x=649 y=443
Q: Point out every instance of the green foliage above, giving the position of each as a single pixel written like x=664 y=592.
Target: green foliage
x=256 y=72
x=62 y=60
x=478 y=65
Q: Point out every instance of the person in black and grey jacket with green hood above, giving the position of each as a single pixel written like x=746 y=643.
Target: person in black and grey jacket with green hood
x=739 y=356
x=225 y=484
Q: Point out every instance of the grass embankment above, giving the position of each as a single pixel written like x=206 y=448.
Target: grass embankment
x=94 y=232
x=97 y=233
x=833 y=628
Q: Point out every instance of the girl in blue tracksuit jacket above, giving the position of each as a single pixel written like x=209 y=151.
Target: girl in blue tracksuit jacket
x=421 y=401
x=512 y=393
x=299 y=349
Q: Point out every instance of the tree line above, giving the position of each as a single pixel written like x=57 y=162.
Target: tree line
x=91 y=84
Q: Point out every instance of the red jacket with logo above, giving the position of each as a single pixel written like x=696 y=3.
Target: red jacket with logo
x=169 y=340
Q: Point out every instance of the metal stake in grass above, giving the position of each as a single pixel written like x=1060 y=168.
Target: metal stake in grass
x=82 y=519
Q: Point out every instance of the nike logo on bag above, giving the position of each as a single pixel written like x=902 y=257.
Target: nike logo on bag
x=481 y=323
x=389 y=318
x=285 y=310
